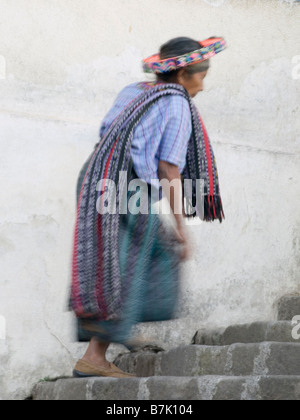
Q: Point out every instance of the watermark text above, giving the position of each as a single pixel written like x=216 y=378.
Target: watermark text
x=296 y=329
x=134 y=196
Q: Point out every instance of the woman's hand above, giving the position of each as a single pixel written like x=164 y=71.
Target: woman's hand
x=170 y=173
x=183 y=239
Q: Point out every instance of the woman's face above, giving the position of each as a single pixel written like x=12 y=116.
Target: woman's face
x=193 y=83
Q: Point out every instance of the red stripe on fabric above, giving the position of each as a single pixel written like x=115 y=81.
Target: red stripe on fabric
x=99 y=271
x=109 y=158
x=209 y=165
x=78 y=306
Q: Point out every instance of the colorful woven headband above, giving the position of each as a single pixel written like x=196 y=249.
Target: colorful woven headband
x=209 y=48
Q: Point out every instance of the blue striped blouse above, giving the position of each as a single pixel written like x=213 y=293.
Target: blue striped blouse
x=162 y=134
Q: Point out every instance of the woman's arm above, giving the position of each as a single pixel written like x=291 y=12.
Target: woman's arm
x=168 y=171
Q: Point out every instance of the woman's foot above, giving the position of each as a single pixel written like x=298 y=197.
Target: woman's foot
x=94 y=363
x=96 y=354
x=84 y=369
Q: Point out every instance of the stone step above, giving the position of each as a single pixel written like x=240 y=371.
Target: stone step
x=288 y=307
x=257 y=332
x=171 y=389
x=267 y=358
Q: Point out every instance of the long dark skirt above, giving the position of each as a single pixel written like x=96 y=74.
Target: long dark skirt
x=154 y=282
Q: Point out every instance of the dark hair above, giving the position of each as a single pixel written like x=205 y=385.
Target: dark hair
x=180 y=46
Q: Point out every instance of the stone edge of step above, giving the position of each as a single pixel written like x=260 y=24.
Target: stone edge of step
x=257 y=359
x=256 y=332
x=172 y=388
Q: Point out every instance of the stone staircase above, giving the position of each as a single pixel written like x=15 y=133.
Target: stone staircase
x=258 y=361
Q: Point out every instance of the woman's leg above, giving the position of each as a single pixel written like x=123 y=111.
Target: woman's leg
x=96 y=353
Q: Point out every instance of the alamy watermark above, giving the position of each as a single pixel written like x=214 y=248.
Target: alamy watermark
x=296 y=329
x=135 y=195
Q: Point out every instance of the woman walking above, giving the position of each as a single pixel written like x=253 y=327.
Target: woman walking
x=125 y=261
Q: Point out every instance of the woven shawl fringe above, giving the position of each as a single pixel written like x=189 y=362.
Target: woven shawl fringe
x=212 y=209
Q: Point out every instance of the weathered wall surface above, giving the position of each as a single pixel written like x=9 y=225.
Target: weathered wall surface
x=62 y=64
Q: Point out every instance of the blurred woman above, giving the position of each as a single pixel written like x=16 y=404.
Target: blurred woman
x=126 y=261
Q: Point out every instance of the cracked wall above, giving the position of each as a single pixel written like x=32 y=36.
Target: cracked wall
x=61 y=66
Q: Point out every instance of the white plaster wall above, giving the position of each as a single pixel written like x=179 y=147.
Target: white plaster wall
x=62 y=63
